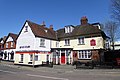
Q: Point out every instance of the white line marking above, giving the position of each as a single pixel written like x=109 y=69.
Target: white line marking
x=47 y=77
x=8 y=71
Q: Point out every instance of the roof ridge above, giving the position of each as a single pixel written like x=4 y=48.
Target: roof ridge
x=33 y=22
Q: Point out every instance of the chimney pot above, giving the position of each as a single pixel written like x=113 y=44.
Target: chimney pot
x=51 y=27
x=84 y=20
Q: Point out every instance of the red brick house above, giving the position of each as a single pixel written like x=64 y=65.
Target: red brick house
x=9 y=46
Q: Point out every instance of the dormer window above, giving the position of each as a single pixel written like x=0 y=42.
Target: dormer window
x=69 y=28
x=26 y=29
x=46 y=31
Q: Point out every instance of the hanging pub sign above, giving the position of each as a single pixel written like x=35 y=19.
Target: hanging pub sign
x=93 y=42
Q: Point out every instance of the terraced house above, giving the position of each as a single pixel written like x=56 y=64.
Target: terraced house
x=36 y=43
x=78 y=42
x=8 y=47
x=2 y=40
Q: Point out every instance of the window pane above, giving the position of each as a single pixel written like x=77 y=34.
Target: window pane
x=81 y=40
x=89 y=54
x=21 y=57
x=12 y=43
x=36 y=57
x=84 y=54
x=42 y=42
x=67 y=41
x=31 y=57
x=6 y=45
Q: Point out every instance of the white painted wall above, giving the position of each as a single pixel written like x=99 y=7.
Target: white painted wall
x=2 y=42
x=54 y=44
x=47 y=45
x=75 y=46
x=25 y=39
x=28 y=39
x=9 y=51
x=9 y=39
x=99 y=44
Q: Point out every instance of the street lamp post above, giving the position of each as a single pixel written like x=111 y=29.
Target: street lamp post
x=33 y=60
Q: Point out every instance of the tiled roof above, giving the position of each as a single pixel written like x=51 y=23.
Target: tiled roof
x=81 y=30
x=3 y=38
x=14 y=36
x=41 y=30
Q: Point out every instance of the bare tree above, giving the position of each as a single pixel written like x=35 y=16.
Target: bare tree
x=115 y=9
x=111 y=29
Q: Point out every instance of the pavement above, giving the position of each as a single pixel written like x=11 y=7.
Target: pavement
x=9 y=71
x=55 y=68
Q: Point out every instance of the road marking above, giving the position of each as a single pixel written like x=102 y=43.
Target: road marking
x=47 y=77
x=8 y=71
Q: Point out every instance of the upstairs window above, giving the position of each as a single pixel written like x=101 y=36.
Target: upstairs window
x=2 y=46
x=26 y=29
x=12 y=44
x=69 y=28
x=6 y=45
x=67 y=41
x=42 y=42
x=81 y=40
x=57 y=44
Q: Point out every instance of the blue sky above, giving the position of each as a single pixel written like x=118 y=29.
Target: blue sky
x=59 y=13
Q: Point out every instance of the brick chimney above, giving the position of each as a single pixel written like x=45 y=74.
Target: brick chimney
x=51 y=27
x=84 y=20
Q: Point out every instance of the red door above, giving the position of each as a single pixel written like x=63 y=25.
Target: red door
x=62 y=58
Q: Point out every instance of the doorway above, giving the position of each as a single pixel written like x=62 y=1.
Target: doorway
x=62 y=58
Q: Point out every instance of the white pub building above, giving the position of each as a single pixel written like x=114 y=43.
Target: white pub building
x=34 y=44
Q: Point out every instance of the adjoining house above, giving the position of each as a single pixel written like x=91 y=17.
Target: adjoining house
x=78 y=42
x=116 y=45
x=2 y=40
x=34 y=44
x=8 y=46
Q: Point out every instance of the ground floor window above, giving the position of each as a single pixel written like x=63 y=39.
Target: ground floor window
x=12 y=55
x=85 y=54
x=54 y=57
x=5 y=55
x=36 y=57
x=21 y=57
x=31 y=57
x=47 y=57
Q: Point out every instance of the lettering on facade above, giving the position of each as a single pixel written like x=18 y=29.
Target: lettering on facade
x=24 y=47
